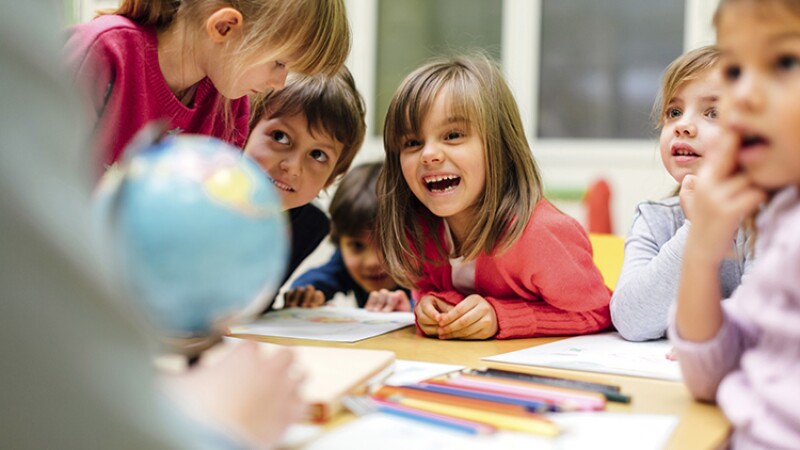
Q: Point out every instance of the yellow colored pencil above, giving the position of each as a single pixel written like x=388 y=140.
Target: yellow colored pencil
x=504 y=421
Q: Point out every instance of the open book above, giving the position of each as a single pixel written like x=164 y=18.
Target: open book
x=330 y=373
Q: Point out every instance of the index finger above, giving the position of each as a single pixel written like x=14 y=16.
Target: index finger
x=456 y=312
x=721 y=159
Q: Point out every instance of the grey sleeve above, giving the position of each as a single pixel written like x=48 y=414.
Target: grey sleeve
x=648 y=283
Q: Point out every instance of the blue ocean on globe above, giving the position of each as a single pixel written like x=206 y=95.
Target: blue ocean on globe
x=197 y=232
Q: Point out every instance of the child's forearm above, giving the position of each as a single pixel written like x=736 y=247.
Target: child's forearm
x=698 y=316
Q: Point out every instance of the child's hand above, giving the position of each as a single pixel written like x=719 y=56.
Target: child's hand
x=428 y=311
x=686 y=195
x=246 y=392
x=388 y=301
x=722 y=198
x=303 y=297
x=473 y=318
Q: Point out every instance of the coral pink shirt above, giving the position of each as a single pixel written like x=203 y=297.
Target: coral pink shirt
x=115 y=62
x=545 y=284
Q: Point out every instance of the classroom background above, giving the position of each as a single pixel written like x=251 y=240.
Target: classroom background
x=585 y=74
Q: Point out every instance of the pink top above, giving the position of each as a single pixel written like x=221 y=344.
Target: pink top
x=544 y=284
x=752 y=365
x=115 y=62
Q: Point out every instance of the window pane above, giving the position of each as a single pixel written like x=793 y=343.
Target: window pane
x=410 y=32
x=601 y=64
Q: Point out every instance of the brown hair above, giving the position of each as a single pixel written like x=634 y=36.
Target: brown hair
x=354 y=206
x=687 y=67
x=476 y=90
x=331 y=105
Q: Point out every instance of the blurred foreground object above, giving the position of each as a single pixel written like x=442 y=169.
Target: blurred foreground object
x=198 y=233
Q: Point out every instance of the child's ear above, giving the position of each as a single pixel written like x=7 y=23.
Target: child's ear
x=223 y=23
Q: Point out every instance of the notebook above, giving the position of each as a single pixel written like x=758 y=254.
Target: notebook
x=330 y=373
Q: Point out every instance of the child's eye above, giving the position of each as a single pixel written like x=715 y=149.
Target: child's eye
x=319 y=155
x=673 y=113
x=787 y=62
x=453 y=135
x=280 y=137
x=732 y=72
x=280 y=64
x=357 y=246
x=412 y=143
x=712 y=113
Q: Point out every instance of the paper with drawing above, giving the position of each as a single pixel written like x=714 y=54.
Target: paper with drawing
x=326 y=324
x=606 y=353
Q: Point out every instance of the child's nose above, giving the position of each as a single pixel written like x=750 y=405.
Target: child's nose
x=290 y=165
x=277 y=80
x=747 y=92
x=685 y=127
x=372 y=259
x=431 y=154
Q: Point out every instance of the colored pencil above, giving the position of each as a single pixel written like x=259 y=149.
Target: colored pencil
x=562 y=397
x=395 y=392
x=611 y=392
x=527 y=424
x=433 y=418
x=531 y=405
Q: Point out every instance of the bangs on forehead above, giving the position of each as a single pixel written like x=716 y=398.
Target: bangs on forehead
x=454 y=85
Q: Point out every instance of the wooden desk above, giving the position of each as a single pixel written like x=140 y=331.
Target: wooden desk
x=701 y=426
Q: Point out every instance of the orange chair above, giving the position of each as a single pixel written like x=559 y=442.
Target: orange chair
x=597 y=201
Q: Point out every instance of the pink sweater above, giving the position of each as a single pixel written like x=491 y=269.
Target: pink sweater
x=544 y=284
x=752 y=366
x=115 y=63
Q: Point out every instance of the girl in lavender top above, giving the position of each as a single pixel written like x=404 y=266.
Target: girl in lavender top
x=745 y=353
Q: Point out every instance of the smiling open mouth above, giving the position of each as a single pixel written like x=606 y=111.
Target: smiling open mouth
x=281 y=186
x=442 y=183
x=683 y=152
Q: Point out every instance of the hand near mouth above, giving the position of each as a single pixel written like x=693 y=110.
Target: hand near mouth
x=722 y=197
x=687 y=195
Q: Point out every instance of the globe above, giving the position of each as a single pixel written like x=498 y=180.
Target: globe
x=197 y=233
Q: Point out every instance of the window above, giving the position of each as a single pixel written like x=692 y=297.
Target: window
x=410 y=32
x=601 y=64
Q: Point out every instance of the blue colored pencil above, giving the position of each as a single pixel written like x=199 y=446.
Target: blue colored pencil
x=530 y=405
x=430 y=418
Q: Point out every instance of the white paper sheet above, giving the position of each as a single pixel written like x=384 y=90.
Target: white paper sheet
x=410 y=372
x=581 y=431
x=606 y=353
x=326 y=324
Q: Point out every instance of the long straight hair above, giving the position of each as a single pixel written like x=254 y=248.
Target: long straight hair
x=477 y=91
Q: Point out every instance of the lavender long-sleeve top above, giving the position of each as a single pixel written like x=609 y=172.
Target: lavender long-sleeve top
x=752 y=366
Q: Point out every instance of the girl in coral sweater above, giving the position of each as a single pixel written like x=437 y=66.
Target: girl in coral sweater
x=462 y=218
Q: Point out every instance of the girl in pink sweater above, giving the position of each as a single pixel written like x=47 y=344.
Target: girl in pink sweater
x=194 y=62
x=462 y=218
x=745 y=353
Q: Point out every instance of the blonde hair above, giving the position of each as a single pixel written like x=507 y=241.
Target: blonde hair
x=476 y=90
x=331 y=105
x=315 y=32
x=687 y=67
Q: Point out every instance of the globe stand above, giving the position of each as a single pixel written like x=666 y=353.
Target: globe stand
x=191 y=348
